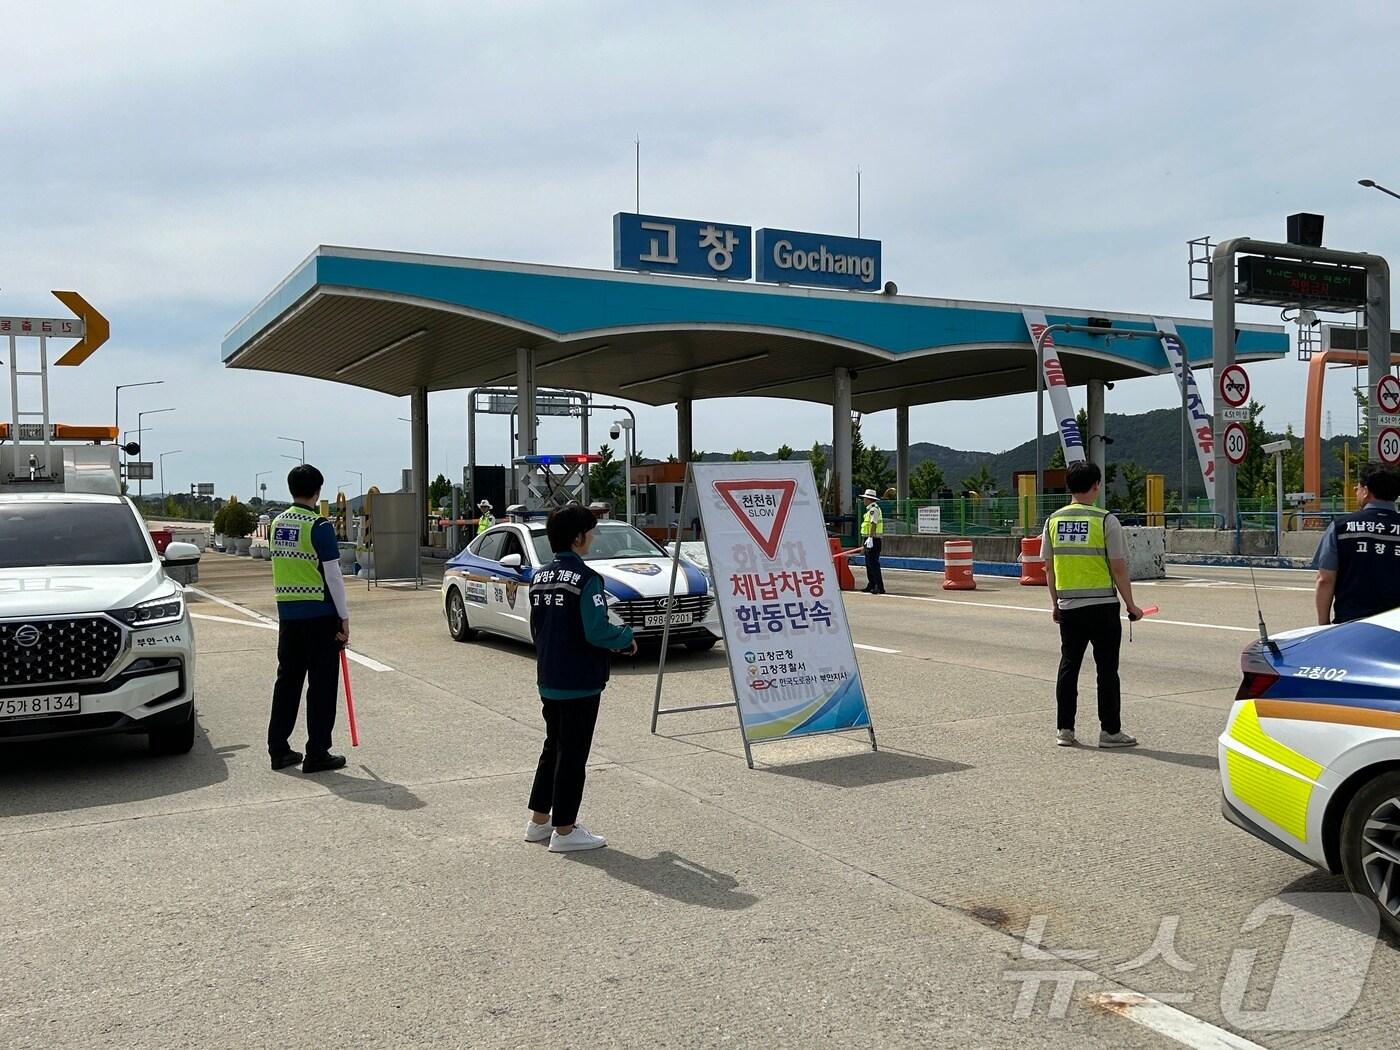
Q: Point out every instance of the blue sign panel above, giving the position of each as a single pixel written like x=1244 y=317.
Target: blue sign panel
x=789 y=257
x=689 y=246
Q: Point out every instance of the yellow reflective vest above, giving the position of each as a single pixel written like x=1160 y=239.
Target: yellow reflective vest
x=296 y=567
x=1079 y=549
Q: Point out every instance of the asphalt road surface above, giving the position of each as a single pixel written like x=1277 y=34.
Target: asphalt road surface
x=970 y=884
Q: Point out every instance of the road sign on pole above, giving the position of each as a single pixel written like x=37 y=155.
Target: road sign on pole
x=1388 y=394
x=1234 y=386
x=140 y=470
x=206 y=488
x=1389 y=446
x=1236 y=443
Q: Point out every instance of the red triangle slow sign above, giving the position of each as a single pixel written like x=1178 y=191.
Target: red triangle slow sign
x=761 y=507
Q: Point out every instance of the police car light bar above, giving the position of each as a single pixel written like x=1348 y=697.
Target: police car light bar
x=575 y=457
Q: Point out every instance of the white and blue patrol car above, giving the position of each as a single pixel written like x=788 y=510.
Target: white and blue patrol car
x=487 y=587
x=1310 y=756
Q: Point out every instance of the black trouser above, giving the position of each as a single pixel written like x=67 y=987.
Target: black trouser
x=307 y=651
x=568 y=736
x=1099 y=626
x=874 y=580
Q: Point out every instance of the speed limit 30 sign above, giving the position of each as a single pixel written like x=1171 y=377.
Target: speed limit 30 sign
x=1388 y=446
x=1237 y=443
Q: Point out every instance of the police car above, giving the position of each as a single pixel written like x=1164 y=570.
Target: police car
x=94 y=637
x=1310 y=757
x=486 y=587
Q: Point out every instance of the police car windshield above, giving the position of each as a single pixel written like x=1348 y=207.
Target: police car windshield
x=614 y=539
x=45 y=534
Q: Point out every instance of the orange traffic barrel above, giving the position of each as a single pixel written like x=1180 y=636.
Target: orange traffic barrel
x=845 y=579
x=1032 y=563
x=957 y=566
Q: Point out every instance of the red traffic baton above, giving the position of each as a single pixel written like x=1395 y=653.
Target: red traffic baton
x=849 y=553
x=1151 y=610
x=349 y=699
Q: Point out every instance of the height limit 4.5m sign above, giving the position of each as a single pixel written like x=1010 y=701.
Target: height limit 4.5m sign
x=792 y=664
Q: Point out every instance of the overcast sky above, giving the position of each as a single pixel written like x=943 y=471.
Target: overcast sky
x=173 y=162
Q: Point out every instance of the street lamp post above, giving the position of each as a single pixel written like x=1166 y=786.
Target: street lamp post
x=117 y=398
x=172 y=452
x=140 y=482
x=296 y=441
x=1372 y=184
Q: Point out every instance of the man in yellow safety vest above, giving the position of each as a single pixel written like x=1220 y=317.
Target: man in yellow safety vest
x=872 y=527
x=1086 y=568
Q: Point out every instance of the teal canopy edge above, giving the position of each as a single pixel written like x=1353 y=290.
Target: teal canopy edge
x=568 y=304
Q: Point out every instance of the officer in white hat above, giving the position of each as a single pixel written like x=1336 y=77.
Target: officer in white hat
x=872 y=527
x=485 y=518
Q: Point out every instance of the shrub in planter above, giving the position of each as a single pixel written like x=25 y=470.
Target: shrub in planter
x=239 y=521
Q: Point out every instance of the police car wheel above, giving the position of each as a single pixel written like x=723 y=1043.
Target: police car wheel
x=457 y=623
x=177 y=740
x=1371 y=846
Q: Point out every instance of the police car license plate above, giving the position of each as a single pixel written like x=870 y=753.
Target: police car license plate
x=677 y=620
x=39 y=706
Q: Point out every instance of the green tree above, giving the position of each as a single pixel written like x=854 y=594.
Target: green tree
x=739 y=456
x=926 y=480
x=817 y=457
x=439 y=490
x=872 y=470
x=637 y=458
x=605 y=478
x=785 y=452
x=1132 y=497
x=982 y=482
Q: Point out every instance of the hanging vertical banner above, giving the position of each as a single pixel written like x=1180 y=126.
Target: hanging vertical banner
x=1198 y=414
x=791 y=658
x=1070 y=439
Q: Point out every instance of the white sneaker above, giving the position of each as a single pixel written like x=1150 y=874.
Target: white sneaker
x=1117 y=740
x=1064 y=737
x=537 y=832
x=578 y=839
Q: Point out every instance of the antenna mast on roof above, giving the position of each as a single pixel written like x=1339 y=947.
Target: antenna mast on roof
x=857 y=202
x=639 y=174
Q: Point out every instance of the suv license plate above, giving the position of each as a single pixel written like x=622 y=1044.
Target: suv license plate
x=39 y=706
x=681 y=619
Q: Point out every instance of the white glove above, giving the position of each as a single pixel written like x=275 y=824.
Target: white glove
x=870 y=543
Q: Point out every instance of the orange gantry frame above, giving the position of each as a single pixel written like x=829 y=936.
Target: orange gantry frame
x=68 y=432
x=1312 y=423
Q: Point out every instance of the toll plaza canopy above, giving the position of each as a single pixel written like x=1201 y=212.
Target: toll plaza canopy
x=407 y=324
x=400 y=323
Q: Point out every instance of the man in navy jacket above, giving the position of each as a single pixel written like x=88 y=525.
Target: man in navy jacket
x=574 y=642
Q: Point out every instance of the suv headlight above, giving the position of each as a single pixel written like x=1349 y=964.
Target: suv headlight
x=169 y=608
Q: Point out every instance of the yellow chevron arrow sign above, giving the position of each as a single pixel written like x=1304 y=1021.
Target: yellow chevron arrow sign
x=95 y=328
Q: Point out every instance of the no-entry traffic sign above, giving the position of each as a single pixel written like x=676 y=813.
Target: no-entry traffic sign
x=1237 y=443
x=1388 y=395
x=1388 y=446
x=1234 y=386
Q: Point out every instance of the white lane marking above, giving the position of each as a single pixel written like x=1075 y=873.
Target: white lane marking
x=876 y=648
x=1043 y=612
x=1171 y=1022
x=271 y=625
x=230 y=619
x=232 y=605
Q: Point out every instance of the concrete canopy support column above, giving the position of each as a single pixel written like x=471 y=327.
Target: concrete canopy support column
x=418 y=423
x=525 y=409
x=901 y=452
x=1098 y=447
x=1377 y=346
x=685 y=430
x=841 y=442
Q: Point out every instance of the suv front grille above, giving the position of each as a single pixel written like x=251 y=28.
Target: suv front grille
x=76 y=650
x=634 y=614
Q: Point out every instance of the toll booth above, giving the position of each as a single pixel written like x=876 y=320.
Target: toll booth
x=657 y=493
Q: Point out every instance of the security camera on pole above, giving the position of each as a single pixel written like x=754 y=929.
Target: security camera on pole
x=620 y=427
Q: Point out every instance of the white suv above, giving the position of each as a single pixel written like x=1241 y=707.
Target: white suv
x=94 y=637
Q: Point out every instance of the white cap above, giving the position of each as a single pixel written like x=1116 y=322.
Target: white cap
x=869 y=494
